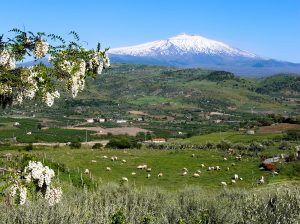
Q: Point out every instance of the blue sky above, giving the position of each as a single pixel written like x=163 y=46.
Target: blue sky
x=269 y=28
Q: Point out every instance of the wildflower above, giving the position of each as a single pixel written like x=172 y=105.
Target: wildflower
x=49 y=98
x=7 y=59
x=53 y=195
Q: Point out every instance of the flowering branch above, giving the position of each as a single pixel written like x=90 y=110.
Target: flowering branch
x=70 y=62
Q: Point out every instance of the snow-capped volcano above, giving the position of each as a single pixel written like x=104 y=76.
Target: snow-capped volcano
x=190 y=51
x=180 y=45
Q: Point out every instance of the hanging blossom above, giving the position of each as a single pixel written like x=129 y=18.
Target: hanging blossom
x=77 y=80
x=7 y=59
x=41 y=49
x=49 y=97
x=36 y=172
x=5 y=89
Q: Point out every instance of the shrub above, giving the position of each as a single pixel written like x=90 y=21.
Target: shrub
x=97 y=146
x=118 y=217
x=285 y=145
x=123 y=142
x=75 y=145
x=224 y=145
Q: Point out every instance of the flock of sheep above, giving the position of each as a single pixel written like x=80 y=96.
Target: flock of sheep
x=184 y=171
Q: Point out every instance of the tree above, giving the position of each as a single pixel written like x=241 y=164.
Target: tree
x=69 y=62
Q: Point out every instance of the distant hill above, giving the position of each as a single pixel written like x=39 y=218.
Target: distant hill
x=192 y=51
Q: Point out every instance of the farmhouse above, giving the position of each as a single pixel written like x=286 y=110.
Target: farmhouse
x=121 y=121
x=158 y=140
x=90 y=120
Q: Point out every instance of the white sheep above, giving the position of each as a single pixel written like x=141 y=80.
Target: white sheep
x=184 y=173
x=209 y=168
x=148 y=175
x=202 y=165
x=199 y=171
x=114 y=158
x=241 y=178
x=94 y=161
x=236 y=177
x=225 y=159
x=125 y=179
x=123 y=161
x=218 y=168
x=133 y=173
x=86 y=171
x=261 y=180
x=149 y=170
x=196 y=175
x=104 y=157
x=160 y=175
x=142 y=167
x=193 y=155
x=223 y=183
x=233 y=181
x=227 y=169
x=184 y=169
x=108 y=169
x=29 y=133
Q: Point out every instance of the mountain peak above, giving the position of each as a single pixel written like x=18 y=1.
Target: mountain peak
x=182 y=44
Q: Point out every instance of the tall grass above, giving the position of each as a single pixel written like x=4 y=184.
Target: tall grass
x=190 y=205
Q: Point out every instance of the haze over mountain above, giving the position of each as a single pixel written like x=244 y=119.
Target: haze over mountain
x=190 y=51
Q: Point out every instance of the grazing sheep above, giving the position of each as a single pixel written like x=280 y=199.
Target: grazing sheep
x=232 y=164
x=184 y=173
x=225 y=159
x=123 y=161
x=227 y=169
x=212 y=168
x=142 y=167
x=233 y=181
x=274 y=172
x=261 y=180
x=149 y=170
x=160 y=175
x=202 y=165
x=218 y=168
x=94 y=161
x=104 y=157
x=196 y=175
x=223 y=183
x=199 y=171
x=29 y=133
x=239 y=157
x=86 y=171
x=193 y=155
x=125 y=179
x=108 y=169
x=184 y=169
x=114 y=158
x=209 y=168
x=133 y=173
x=236 y=177
x=148 y=175
x=241 y=178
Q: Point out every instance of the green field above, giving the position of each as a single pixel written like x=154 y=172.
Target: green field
x=168 y=162
x=234 y=137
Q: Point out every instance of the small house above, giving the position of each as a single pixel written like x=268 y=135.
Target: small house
x=250 y=132
x=90 y=120
x=121 y=121
x=158 y=140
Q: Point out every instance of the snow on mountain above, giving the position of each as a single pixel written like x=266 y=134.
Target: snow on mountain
x=180 y=45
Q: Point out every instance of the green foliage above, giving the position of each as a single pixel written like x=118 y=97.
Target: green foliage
x=97 y=146
x=122 y=142
x=218 y=76
x=118 y=217
x=75 y=145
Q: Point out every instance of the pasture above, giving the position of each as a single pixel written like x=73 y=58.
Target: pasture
x=168 y=162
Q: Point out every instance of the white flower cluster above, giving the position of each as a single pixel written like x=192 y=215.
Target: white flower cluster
x=98 y=62
x=22 y=193
x=7 y=59
x=53 y=195
x=31 y=86
x=41 y=48
x=77 y=79
x=38 y=172
x=4 y=88
x=49 y=97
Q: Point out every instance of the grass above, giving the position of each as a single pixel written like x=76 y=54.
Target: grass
x=170 y=163
x=234 y=137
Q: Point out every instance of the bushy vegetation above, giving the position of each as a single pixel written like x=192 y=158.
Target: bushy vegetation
x=123 y=204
